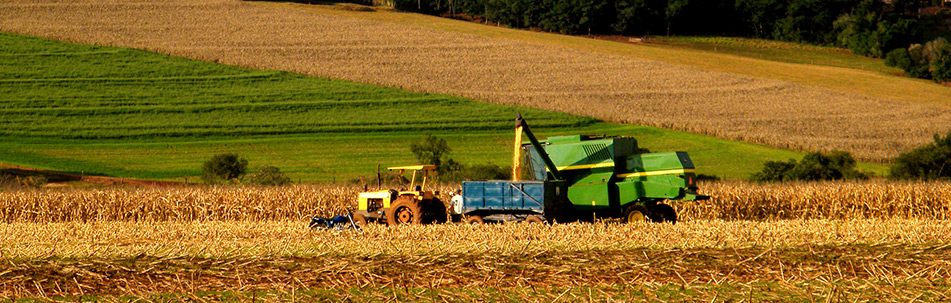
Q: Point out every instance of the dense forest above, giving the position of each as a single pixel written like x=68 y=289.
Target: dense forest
x=867 y=27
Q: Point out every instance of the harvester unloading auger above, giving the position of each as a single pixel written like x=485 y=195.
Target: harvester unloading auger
x=564 y=178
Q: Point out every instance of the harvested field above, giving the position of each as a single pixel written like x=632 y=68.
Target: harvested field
x=865 y=259
x=241 y=243
x=615 y=88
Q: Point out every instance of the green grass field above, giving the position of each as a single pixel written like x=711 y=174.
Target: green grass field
x=130 y=113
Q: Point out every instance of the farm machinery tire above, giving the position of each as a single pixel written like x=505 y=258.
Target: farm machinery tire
x=475 y=220
x=663 y=213
x=405 y=210
x=360 y=220
x=635 y=213
x=533 y=219
x=436 y=212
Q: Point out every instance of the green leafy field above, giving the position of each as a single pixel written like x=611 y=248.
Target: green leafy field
x=131 y=113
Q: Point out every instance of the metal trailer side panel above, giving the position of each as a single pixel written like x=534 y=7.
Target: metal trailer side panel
x=503 y=197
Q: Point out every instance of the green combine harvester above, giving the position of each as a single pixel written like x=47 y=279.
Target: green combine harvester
x=571 y=178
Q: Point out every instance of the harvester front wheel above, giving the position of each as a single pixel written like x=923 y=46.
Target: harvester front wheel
x=664 y=213
x=404 y=211
x=635 y=213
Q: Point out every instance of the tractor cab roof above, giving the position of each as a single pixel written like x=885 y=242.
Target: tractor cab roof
x=413 y=167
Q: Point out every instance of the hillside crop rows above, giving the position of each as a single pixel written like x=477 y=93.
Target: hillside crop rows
x=242 y=243
x=609 y=87
x=127 y=113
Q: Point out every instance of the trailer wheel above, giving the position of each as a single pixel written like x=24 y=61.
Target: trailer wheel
x=533 y=219
x=664 y=213
x=635 y=213
x=475 y=220
x=360 y=220
x=404 y=211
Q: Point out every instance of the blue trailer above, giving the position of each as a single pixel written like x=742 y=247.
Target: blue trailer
x=508 y=200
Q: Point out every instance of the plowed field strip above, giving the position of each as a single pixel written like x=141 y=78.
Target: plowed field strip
x=148 y=274
x=610 y=87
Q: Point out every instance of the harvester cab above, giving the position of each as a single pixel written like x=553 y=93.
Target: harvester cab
x=412 y=205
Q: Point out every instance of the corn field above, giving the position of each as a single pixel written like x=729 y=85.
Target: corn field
x=619 y=88
x=730 y=201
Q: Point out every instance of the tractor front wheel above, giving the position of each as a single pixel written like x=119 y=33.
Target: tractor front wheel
x=360 y=220
x=404 y=210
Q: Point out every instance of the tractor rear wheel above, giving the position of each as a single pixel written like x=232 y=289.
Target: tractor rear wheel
x=405 y=210
x=475 y=220
x=664 y=213
x=437 y=212
x=635 y=213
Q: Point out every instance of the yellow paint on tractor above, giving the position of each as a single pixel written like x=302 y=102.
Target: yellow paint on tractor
x=366 y=198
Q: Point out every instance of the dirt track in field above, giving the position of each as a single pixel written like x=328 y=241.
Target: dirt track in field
x=614 y=88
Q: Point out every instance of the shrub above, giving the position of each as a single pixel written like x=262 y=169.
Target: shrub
x=929 y=162
x=932 y=60
x=898 y=58
x=774 y=171
x=836 y=165
x=269 y=175
x=224 y=167
x=430 y=150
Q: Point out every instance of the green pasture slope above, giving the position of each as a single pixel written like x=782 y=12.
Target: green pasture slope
x=131 y=113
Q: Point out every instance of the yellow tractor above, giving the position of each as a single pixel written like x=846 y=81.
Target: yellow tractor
x=413 y=206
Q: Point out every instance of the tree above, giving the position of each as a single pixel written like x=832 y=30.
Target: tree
x=223 y=167
x=674 y=9
x=430 y=150
x=269 y=175
x=760 y=16
x=929 y=162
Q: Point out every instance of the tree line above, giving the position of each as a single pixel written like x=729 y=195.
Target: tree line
x=866 y=27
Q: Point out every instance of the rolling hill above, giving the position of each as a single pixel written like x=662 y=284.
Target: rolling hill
x=130 y=113
x=795 y=106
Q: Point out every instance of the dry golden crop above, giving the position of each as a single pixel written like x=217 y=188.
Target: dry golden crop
x=244 y=243
x=730 y=201
x=128 y=258
x=247 y=239
x=624 y=89
x=821 y=200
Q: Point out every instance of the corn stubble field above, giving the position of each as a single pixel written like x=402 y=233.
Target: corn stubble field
x=626 y=89
x=862 y=241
